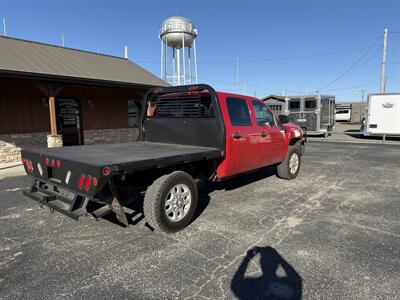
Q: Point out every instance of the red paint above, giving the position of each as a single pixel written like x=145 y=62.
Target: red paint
x=257 y=147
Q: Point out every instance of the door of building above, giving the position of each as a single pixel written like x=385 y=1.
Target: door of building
x=69 y=121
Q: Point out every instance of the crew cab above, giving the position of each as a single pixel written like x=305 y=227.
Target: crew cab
x=186 y=134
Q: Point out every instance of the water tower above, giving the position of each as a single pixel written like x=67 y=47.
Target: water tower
x=178 y=36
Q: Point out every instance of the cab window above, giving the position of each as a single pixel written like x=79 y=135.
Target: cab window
x=238 y=112
x=264 y=116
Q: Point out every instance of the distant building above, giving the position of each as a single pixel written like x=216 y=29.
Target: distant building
x=51 y=94
x=278 y=104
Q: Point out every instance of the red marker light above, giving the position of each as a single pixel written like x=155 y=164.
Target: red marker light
x=46 y=161
x=106 y=171
x=81 y=181
x=158 y=90
x=88 y=183
x=58 y=163
x=193 y=88
x=53 y=163
x=94 y=181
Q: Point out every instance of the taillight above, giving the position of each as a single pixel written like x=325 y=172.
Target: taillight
x=94 y=181
x=30 y=166
x=81 y=181
x=88 y=182
x=58 y=163
x=46 y=161
x=106 y=171
x=53 y=162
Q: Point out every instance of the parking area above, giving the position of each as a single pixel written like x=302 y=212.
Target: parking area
x=333 y=233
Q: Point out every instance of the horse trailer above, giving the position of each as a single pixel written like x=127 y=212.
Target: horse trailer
x=383 y=115
x=316 y=113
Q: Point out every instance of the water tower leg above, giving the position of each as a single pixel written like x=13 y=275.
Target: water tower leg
x=178 y=64
x=195 y=60
x=183 y=58
x=165 y=57
x=190 y=66
x=173 y=66
x=162 y=60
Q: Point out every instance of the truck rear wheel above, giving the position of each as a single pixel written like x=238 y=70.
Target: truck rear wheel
x=170 y=202
x=289 y=168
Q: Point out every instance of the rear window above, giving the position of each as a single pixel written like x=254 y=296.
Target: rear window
x=182 y=106
x=342 y=112
x=294 y=104
x=238 y=112
x=310 y=104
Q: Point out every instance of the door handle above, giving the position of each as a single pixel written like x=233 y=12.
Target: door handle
x=264 y=134
x=236 y=136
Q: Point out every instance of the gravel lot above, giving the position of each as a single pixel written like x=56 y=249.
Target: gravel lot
x=333 y=233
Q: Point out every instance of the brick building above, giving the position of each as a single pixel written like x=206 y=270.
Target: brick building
x=52 y=95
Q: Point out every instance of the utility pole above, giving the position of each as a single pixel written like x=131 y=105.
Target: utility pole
x=62 y=39
x=237 y=72
x=4 y=27
x=383 y=61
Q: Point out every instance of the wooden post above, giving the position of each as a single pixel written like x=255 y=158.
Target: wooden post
x=53 y=121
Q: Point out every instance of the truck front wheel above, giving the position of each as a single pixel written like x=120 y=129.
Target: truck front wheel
x=170 y=202
x=289 y=168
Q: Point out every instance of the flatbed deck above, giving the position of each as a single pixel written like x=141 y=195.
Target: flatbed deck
x=131 y=156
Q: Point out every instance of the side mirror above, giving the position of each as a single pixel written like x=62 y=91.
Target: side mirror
x=283 y=119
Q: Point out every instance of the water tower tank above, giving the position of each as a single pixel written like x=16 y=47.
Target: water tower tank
x=178 y=30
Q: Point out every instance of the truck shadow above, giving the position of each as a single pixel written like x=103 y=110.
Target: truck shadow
x=134 y=209
x=278 y=279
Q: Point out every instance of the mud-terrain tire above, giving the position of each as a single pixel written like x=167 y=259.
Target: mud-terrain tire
x=170 y=202
x=287 y=169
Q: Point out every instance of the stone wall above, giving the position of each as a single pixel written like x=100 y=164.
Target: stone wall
x=109 y=136
x=11 y=144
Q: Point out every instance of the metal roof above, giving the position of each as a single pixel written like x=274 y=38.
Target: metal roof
x=33 y=59
x=274 y=97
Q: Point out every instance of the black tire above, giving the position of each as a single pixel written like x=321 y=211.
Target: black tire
x=156 y=197
x=283 y=170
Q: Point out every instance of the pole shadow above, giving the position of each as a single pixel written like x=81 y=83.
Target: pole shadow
x=279 y=280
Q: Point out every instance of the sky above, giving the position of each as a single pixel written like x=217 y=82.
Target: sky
x=301 y=46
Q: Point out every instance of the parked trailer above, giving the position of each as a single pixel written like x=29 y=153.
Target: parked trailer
x=357 y=111
x=383 y=115
x=316 y=113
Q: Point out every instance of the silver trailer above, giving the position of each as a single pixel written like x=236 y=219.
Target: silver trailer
x=316 y=113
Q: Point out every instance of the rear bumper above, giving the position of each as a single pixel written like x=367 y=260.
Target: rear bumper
x=71 y=205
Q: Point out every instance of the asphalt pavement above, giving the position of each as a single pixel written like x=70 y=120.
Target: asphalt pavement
x=333 y=233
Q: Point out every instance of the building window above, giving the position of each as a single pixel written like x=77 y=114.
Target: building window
x=133 y=114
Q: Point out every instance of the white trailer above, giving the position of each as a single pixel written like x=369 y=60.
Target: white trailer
x=383 y=115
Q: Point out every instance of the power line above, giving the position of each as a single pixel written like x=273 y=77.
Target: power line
x=352 y=66
x=267 y=59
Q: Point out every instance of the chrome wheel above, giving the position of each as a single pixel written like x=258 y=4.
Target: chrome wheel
x=294 y=163
x=177 y=202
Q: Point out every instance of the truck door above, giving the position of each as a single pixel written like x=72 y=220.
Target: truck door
x=241 y=138
x=271 y=136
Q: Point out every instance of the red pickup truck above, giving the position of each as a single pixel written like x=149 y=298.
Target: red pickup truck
x=186 y=133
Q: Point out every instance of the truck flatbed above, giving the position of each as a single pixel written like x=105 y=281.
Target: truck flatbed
x=131 y=156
